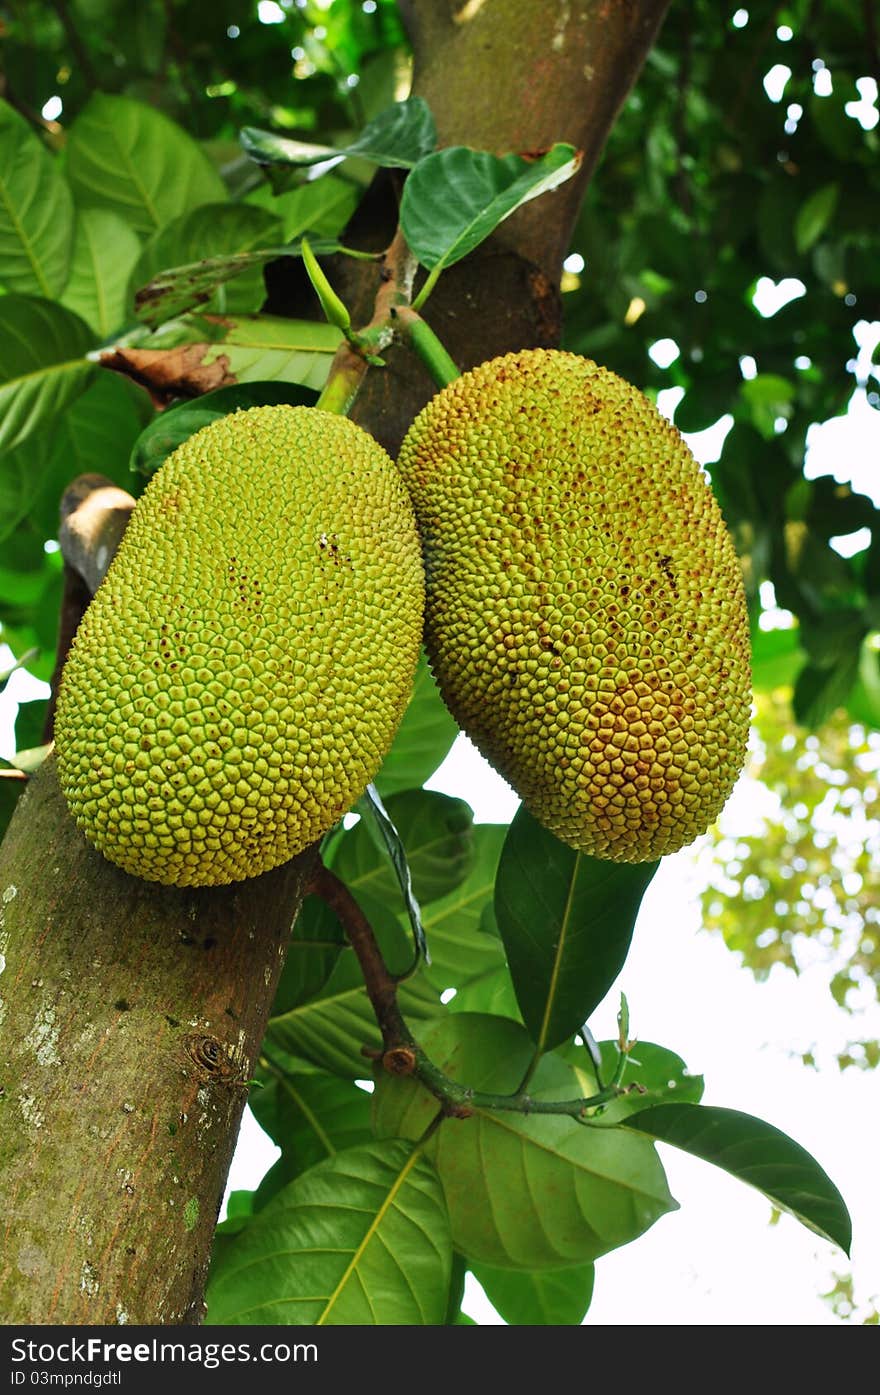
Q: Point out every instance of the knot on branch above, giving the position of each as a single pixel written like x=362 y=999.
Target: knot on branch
x=400 y=1060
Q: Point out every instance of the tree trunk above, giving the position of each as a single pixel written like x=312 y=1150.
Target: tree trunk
x=132 y=1018
x=134 y=1013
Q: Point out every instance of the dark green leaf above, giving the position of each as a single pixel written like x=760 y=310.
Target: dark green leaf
x=756 y=1153
x=332 y=1028
x=175 y=425
x=362 y=1238
x=457 y=197
x=321 y=208
x=204 y=235
x=815 y=215
x=820 y=691
x=566 y=921
x=314 y=949
x=549 y=1298
x=398 y=137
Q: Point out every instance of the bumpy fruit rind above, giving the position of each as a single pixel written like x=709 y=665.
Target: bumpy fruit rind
x=239 y=675
x=586 y=617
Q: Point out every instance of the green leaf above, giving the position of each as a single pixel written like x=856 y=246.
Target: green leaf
x=204 y=234
x=864 y=700
x=492 y=993
x=172 y=427
x=42 y=364
x=456 y=197
x=768 y=397
x=437 y=833
x=566 y=921
x=262 y=347
x=132 y=159
x=314 y=949
x=332 y=1028
x=756 y=1153
x=362 y=1238
x=550 y=1298
x=525 y=1191
x=36 y=212
x=22 y=472
x=321 y=208
x=423 y=739
x=310 y=1117
x=398 y=138
x=819 y=691
x=105 y=250
x=461 y=947
x=814 y=216
x=94 y=434
x=776 y=658
x=253 y=348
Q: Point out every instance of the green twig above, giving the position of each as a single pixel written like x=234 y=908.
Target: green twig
x=442 y=368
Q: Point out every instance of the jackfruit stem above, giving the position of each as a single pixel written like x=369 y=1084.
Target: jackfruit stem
x=442 y=368
x=343 y=381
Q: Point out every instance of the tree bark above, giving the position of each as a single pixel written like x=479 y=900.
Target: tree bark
x=506 y=76
x=132 y=1018
x=134 y=1013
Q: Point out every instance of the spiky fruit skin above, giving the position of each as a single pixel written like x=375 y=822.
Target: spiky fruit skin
x=240 y=673
x=585 y=617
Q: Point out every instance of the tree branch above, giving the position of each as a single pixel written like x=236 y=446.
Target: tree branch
x=401 y=1054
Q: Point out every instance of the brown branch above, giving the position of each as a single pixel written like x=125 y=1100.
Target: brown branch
x=94 y=516
x=381 y=985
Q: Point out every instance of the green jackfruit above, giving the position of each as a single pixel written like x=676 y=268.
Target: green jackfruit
x=586 y=616
x=240 y=673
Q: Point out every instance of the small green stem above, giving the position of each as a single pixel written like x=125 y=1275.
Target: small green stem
x=427 y=288
x=424 y=341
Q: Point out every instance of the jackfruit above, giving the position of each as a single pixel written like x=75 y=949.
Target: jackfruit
x=240 y=673
x=585 y=615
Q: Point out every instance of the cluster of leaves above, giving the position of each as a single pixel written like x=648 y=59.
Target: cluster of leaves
x=377 y=1207
x=706 y=187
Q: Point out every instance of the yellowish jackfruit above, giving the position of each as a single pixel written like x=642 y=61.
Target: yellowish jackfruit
x=240 y=673
x=586 y=616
